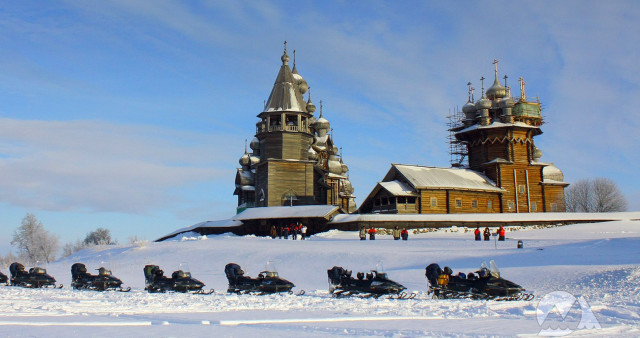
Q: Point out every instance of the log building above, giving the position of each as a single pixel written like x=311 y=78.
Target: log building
x=504 y=172
x=293 y=159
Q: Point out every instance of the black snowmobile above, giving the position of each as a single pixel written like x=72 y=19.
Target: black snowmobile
x=81 y=279
x=180 y=281
x=3 y=278
x=485 y=283
x=373 y=284
x=36 y=277
x=267 y=282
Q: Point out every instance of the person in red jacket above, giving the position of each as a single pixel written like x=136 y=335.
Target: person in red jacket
x=477 y=233
x=501 y=233
x=404 y=234
x=372 y=234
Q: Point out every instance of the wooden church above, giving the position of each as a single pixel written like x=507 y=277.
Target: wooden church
x=504 y=173
x=293 y=159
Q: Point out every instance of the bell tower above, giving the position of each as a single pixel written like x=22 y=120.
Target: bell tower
x=289 y=163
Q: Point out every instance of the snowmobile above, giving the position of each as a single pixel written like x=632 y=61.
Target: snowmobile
x=268 y=281
x=485 y=283
x=3 y=278
x=180 y=281
x=36 y=277
x=81 y=279
x=373 y=284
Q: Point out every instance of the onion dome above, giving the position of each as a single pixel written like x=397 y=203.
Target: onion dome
x=300 y=81
x=347 y=187
x=483 y=103
x=322 y=124
x=313 y=155
x=334 y=165
x=255 y=144
x=496 y=91
x=254 y=160
x=245 y=160
x=469 y=107
x=345 y=168
x=537 y=153
x=310 y=106
x=507 y=101
x=551 y=172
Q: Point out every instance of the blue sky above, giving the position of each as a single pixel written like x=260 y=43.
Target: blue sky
x=131 y=115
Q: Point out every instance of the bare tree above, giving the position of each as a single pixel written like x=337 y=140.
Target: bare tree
x=607 y=197
x=597 y=195
x=100 y=236
x=34 y=243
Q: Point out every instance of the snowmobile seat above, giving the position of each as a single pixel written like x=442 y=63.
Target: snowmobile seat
x=369 y=275
x=17 y=269
x=335 y=274
x=78 y=270
x=472 y=276
x=149 y=273
x=433 y=271
x=234 y=273
x=360 y=275
x=461 y=275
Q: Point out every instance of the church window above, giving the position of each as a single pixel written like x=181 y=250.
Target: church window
x=521 y=187
x=534 y=206
x=489 y=205
x=402 y=199
x=458 y=202
x=474 y=204
x=434 y=202
x=554 y=207
x=411 y=200
x=510 y=205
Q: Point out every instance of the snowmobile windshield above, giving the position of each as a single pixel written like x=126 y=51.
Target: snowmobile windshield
x=379 y=267
x=104 y=272
x=271 y=267
x=493 y=268
x=184 y=270
x=39 y=271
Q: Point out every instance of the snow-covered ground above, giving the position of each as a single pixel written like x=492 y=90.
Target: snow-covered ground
x=598 y=262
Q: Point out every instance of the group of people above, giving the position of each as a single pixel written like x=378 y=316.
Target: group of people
x=293 y=229
x=487 y=233
x=397 y=234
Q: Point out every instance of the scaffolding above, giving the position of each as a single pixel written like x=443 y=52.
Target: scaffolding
x=457 y=149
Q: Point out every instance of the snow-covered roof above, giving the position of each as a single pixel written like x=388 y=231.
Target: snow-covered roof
x=285 y=95
x=487 y=217
x=398 y=188
x=497 y=124
x=422 y=177
x=325 y=211
x=207 y=224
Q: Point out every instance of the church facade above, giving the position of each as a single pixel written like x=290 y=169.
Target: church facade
x=503 y=173
x=293 y=159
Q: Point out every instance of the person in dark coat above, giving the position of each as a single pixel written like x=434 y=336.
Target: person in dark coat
x=487 y=234
x=294 y=232
x=273 y=232
x=285 y=232
x=404 y=234
x=280 y=231
x=477 y=233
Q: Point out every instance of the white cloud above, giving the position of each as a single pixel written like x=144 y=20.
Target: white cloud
x=99 y=166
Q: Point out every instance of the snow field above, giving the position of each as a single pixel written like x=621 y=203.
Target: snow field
x=600 y=262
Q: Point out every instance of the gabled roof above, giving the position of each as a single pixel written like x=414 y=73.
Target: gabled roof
x=285 y=95
x=421 y=177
